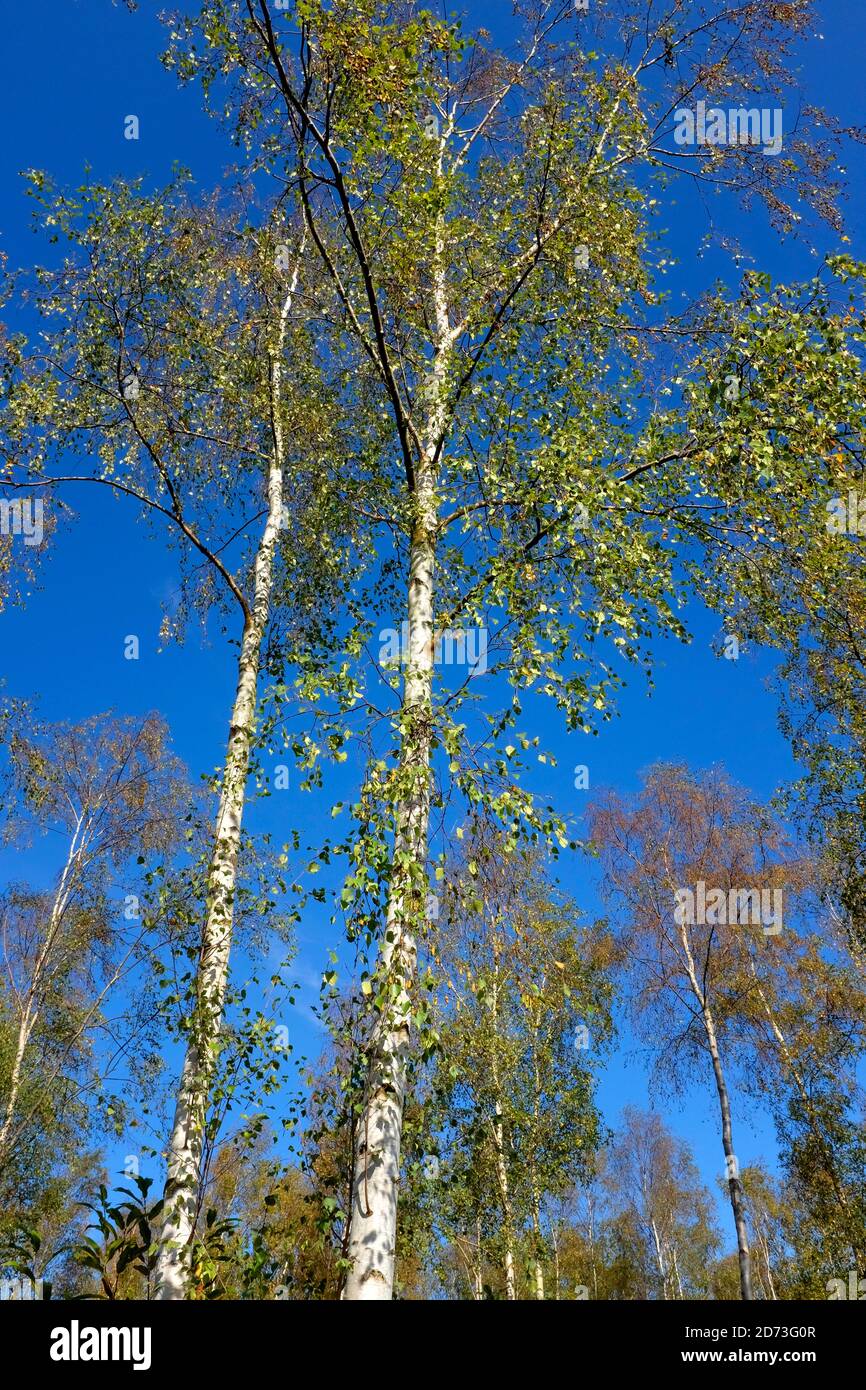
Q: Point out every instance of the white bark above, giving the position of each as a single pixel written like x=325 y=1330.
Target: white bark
x=373 y=1222
x=499 y=1147
x=183 y=1165
x=373 y=1226
x=676 y=1269
x=592 y=1248
x=536 y=1198
x=507 y=1218
x=660 y=1259
x=30 y=1003
x=765 y=1251
x=735 y=1189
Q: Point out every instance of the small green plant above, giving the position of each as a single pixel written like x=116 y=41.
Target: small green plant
x=124 y=1245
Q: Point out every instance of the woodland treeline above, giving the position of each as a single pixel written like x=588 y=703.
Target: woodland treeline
x=424 y=365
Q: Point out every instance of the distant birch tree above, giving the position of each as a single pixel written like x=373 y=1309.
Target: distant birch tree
x=523 y=1020
x=111 y=793
x=686 y=863
x=653 y=1175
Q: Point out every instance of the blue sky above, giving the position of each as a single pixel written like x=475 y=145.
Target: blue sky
x=74 y=70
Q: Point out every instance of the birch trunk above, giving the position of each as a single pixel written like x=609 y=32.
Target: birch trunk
x=373 y=1227
x=536 y=1227
x=765 y=1251
x=499 y=1146
x=24 y=1028
x=30 y=1005
x=502 y=1174
x=660 y=1259
x=802 y=1090
x=376 y=1177
x=536 y=1201
x=734 y=1186
x=183 y=1165
x=676 y=1269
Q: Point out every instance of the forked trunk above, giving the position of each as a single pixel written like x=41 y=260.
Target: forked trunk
x=660 y=1259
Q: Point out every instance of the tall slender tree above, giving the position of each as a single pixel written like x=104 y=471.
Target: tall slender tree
x=693 y=866
x=173 y=361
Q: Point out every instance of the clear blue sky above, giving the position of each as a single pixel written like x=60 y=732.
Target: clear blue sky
x=74 y=69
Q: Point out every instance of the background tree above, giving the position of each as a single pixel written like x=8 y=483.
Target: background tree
x=826 y=1222
x=112 y=791
x=525 y=1016
x=768 y=1207
x=768 y=995
x=641 y=1225
x=653 y=1177
x=700 y=837
x=803 y=1023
